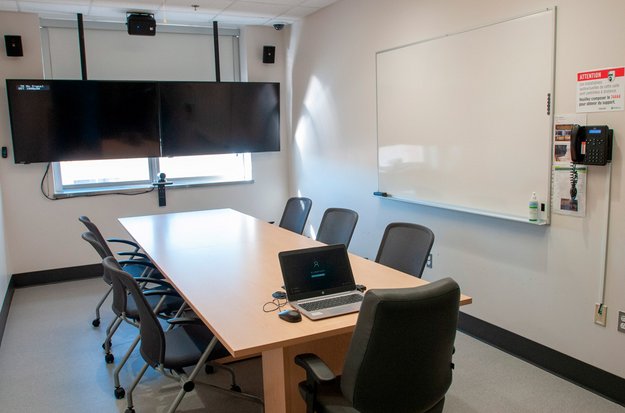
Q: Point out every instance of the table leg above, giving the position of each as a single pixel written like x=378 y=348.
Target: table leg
x=281 y=375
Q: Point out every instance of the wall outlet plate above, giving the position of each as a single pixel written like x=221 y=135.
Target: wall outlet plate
x=601 y=312
x=621 y=321
x=429 y=261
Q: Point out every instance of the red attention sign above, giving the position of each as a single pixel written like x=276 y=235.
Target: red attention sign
x=601 y=74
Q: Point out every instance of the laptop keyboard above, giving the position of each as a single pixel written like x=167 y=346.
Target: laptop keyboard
x=331 y=302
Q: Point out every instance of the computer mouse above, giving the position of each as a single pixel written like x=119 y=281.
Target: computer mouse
x=292 y=316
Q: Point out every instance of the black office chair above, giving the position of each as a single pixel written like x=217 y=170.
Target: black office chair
x=405 y=247
x=163 y=302
x=140 y=268
x=400 y=356
x=295 y=214
x=189 y=343
x=337 y=226
x=134 y=253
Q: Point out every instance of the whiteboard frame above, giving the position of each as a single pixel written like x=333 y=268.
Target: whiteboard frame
x=546 y=215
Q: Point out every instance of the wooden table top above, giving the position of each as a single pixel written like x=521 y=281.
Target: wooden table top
x=225 y=265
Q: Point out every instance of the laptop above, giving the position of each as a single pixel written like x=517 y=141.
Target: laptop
x=319 y=281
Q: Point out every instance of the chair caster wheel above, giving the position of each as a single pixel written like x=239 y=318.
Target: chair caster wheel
x=96 y=322
x=104 y=344
x=109 y=358
x=235 y=388
x=119 y=392
x=208 y=369
x=130 y=410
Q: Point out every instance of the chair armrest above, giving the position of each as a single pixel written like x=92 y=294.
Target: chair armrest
x=185 y=320
x=315 y=367
x=171 y=293
x=137 y=262
x=124 y=241
x=134 y=254
x=157 y=281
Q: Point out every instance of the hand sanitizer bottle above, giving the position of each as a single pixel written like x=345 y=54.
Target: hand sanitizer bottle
x=533 y=204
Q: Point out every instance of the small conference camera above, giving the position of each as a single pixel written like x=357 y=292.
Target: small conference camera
x=278 y=26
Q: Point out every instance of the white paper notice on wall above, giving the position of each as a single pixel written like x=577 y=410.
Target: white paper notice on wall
x=569 y=180
x=601 y=90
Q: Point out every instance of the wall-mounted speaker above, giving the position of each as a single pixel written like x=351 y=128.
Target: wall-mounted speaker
x=269 y=54
x=13 y=45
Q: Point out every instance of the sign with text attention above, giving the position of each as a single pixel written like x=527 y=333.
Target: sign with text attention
x=601 y=90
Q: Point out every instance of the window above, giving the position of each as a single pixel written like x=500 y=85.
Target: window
x=81 y=177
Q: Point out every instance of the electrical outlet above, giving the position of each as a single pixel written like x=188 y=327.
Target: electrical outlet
x=601 y=311
x=429 y=261
x=621 y=321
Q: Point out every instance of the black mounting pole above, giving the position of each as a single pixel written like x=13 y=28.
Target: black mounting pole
x=81 y=42
x=216 y=42
x=160 y=186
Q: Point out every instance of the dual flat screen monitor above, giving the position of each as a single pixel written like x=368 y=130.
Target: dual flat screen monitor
x=62 y=120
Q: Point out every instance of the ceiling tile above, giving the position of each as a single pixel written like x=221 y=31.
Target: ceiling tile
x=129 y=5
x=291 y=3
x=187 y=17
x=317 y=3
x=241 y=20
x=8 y=5
x=203 y=4
x=235 y=12
x=242 y=8
x=298 y=12
x=65 y=8
x=107 y=13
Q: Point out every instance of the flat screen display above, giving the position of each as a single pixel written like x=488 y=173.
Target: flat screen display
x=312 y=272
x=219 y=117
x=66 y=120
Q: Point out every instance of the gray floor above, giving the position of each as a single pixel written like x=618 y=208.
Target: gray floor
x=51 y=361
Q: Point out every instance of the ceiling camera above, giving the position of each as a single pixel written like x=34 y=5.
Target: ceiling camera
x=278 y=26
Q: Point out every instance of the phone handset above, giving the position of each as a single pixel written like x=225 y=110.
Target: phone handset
x=577 y=156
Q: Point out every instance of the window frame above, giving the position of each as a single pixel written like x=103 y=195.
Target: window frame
x=130 y=187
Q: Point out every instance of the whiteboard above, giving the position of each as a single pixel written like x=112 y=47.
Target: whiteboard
x=463 y=120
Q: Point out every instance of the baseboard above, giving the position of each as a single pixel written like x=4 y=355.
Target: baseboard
x=583 y=374
x=56 y=275
x=4 y=313
x=43 y=277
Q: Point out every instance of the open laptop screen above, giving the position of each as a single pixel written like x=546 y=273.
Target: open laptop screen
x=317 y=271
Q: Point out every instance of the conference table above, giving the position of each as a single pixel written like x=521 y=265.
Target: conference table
x=225 y=265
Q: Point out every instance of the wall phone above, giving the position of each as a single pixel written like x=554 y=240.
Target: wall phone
x=591 y=145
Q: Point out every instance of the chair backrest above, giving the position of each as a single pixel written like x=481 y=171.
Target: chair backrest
x=152 y=335
x=337 y=226
x=405 y=247
x=295 y=214
x=399 y=359
x=120 y=295
x=93 y=241
x=96 y=232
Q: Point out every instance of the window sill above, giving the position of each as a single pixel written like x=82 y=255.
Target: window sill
x=140 y=189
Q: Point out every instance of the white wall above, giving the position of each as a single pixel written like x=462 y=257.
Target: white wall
x=28 y=66
x=539 y=282
x=42 y=234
